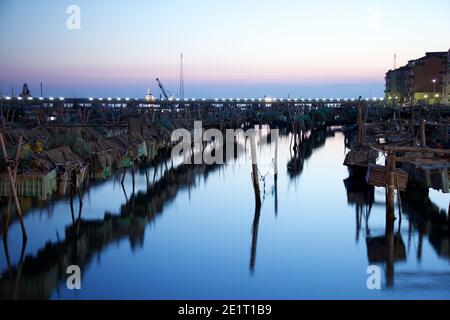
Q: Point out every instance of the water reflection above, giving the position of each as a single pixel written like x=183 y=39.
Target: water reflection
x=85 y=239
x=275 y=241
x=424 y=218
x=361 y=195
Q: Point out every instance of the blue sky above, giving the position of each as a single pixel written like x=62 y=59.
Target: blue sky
x=231 y=48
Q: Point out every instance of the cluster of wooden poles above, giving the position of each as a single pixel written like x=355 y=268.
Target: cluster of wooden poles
x=11 y=169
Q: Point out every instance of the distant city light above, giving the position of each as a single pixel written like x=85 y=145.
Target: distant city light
x=61 y=98
x=51 y=98
x=90 y=99
x=19 y=98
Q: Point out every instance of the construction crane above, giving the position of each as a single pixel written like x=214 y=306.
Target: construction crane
x=166 y=93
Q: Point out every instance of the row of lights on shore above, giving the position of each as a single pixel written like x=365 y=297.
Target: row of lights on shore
x=204 y=99
x=425 y=96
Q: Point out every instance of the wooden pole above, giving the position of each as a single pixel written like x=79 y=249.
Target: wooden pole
x=276 y=158
x=446 y=134
x=255 y=170
x=422 y=133
x=13 y=187
x=275 y=176
x=360 y=124
x=132 y=176
x=10 y=198
x=399 y=199
x=390 y=175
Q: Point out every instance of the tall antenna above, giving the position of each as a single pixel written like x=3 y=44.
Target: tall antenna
x=181 y=78
x=395 y=61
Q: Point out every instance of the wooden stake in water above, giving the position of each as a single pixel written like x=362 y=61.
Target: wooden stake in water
x=276 y=158
x=276 y=175
x=12 y=181
x=422 y=133
x=390 y=176
x=255 y=170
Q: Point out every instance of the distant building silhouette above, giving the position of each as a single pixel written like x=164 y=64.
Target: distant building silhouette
x=25 y=91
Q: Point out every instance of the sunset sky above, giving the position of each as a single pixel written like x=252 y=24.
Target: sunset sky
x=231 y=48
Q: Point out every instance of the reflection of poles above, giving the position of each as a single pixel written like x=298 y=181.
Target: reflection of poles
x=254 y=237
x=20 y=265
x=8 y=258
x=397 y=243
x=19 y=271
x=448 y=219
x=71 y=205
x=75 y=186
x=146 y=166
x=419 y=246
x=389 y=252
x=358 y=215
x=12 y=180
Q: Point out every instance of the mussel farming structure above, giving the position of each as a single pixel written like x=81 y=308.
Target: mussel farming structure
x=57 y=146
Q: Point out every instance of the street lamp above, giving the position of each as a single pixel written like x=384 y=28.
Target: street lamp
x=434 y=88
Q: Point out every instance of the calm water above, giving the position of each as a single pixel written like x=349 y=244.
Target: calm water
x=194 y=234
